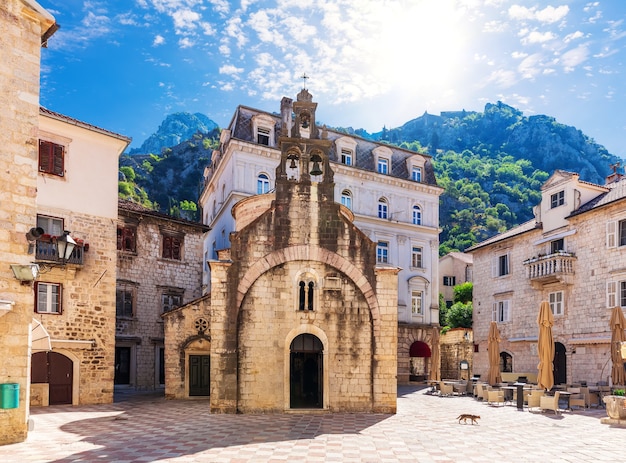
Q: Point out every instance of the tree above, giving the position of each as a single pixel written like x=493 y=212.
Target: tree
x=463 y=292
x=459 y=315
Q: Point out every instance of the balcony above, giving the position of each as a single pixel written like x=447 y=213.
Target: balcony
x=553 y=268
x=46 y=251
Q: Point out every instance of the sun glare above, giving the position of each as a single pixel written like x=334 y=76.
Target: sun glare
x=421 y=46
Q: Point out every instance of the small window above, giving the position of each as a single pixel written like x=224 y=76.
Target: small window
x=306 y=295
x=172 y=247
x=417 y=306
x=52 y=226
x=416 y=174
x=557 y=199
x=501 y=265
x=417 y=215
x=263 y=136
x=449 y=280
x=382 y=208
x=500 y=312
x=125 y=301
x=346 y=157
x=557 y=245
x=382 y=252
x=48 y=297
x=383 y=166
x=126 y=238
x=346 y=199
x=51 y=158
x=556 y=302
x=416 y=257
x=616 y=294
x=170 y=301
x=506 y=362
x=262 y=184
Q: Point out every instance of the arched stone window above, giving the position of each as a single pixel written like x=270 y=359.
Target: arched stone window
x=306 y=295
x=346 y=198
x=262 y=184
x=417 y=215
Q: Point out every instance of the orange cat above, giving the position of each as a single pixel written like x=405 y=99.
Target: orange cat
x=467 y=416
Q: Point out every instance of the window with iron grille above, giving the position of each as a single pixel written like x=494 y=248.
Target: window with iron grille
x=125 y=301
x=172 y=246
x=48 y=297
x=170 y=301
x=51 y=158
x=127 y=238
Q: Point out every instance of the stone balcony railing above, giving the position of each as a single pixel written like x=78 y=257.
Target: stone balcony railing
x=551 y=268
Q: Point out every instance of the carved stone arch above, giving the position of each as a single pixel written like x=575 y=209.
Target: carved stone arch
x=305 y=253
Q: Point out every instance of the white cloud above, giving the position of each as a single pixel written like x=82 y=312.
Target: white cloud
x=548 y=15
x=538 y=37
x=573 y=36
x=158 y=40
x=186 y=42
x=230 y=70
x=503 y=78
x=530 y=66
x=518 y=55
x=572 y=58
x=185 y=20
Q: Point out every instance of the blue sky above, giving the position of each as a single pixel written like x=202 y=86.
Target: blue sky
x=126 y=64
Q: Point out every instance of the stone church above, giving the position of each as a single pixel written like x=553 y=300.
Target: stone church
x=300 y=316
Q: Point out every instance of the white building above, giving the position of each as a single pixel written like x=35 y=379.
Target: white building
x=391 y=191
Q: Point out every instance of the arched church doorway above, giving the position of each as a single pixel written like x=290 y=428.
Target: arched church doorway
x=560 y=369
x=419 y=364
x=306 y=372
x=56 y=370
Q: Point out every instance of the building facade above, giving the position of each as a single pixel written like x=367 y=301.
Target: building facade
x=159 y=268
x=391 y=192
x=301 y=314
x=455 y=268
x=573 y=255
x=74 y=295
x=24 y=28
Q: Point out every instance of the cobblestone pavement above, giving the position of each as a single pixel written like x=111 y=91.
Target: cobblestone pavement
x=148 y=428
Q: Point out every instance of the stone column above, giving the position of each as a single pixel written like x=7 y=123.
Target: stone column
x=223 y=340
x=385 y=362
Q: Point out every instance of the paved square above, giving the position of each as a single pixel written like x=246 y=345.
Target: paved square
x=148 y=428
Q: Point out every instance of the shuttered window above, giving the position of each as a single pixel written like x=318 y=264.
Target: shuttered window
x=51 y=158
x=171 y=247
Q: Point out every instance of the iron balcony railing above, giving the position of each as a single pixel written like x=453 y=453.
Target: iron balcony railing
x=555 y=265
x=47 y=251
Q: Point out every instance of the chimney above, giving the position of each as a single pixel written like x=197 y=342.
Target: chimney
x=614 y=176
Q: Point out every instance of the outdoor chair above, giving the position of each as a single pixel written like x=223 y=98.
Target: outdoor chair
x=534 y=398
x=547 y=402
x=495 y=396
x=591 y=398
x=445 y=389
x=577 y=399
x=478 y=391
x=459 y=388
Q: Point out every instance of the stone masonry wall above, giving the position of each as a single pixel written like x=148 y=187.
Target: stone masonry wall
x=20 y=48
x=154 y=275
x=88 y=306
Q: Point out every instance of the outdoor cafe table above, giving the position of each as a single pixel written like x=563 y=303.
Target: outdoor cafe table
x=519 y=387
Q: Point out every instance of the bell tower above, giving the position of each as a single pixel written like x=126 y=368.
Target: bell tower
x=304 y=149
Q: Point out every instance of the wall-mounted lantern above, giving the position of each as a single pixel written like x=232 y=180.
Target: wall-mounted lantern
x=65 y=246
x=25 y=272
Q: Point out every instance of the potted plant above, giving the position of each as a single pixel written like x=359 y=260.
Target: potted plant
x=616 y=404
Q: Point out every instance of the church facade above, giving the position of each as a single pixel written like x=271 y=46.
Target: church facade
x=301 y=313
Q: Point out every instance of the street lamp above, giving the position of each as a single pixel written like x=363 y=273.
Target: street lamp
x=65 y=246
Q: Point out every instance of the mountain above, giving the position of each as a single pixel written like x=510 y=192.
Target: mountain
x=175 y=129
x=546 y=143
x=491 y=165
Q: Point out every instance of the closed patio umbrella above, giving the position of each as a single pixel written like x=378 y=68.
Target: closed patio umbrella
x=493 y=347
x=435 y=368
x=545 y=347
x=617 y=324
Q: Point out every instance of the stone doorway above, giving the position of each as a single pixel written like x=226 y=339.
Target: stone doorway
x=306 y=372
x=560 y=364
x=419 y=354
x=199 y=375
